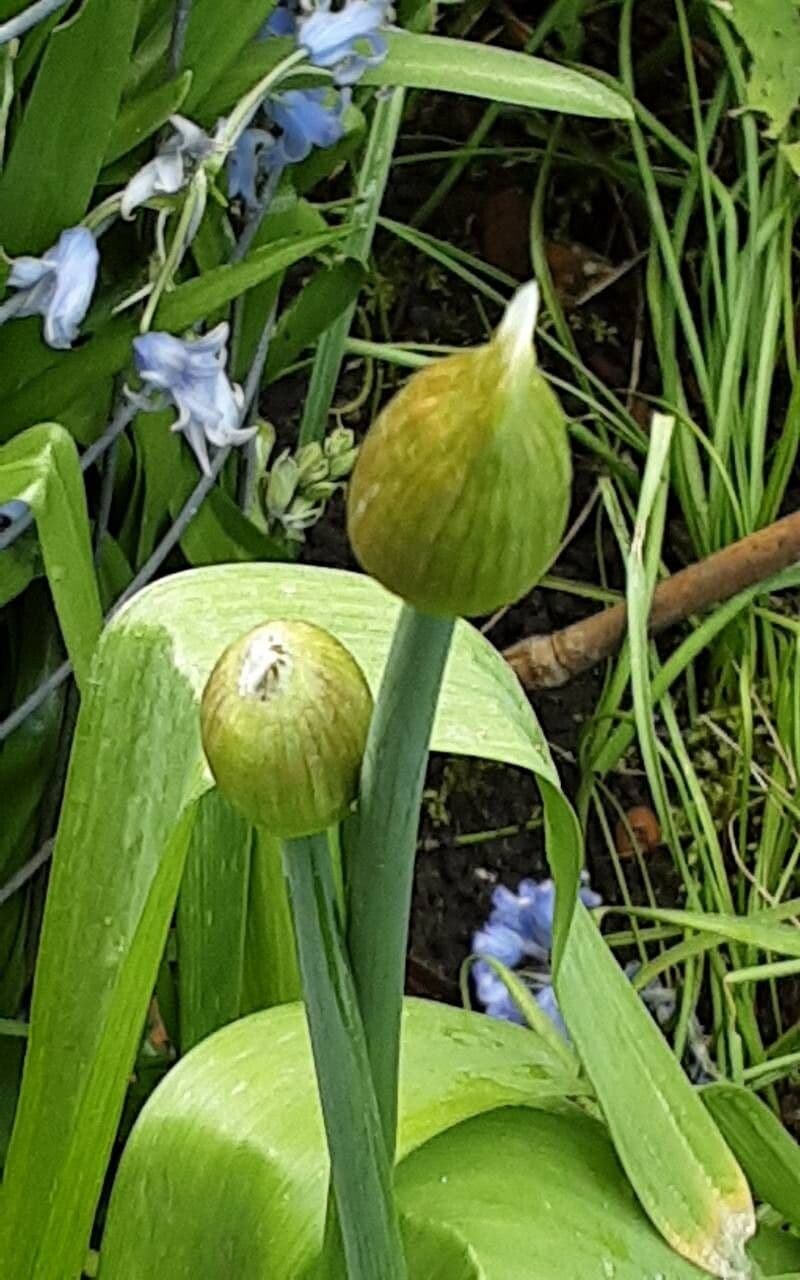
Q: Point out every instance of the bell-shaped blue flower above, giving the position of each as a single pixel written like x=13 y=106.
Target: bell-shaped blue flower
x=247 y=163
x=301 y=119
x=192 y=374
x=282 y=21
x=494 y=994
x=519 y=928
x=306 y=118
x=346 y=41
x=57 y=286
x=169 y=170
x=500 y=942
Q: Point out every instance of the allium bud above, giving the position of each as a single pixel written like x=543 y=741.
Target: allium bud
x=460 y=493
x=284 y=717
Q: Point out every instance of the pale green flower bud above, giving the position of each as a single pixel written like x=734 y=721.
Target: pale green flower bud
x=284 y=720
x=460 y=495
x=311 y=464
x=281 y=484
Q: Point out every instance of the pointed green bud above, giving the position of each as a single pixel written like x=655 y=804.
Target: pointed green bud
x=284 y=720
x=281 y=484
x=460 y=494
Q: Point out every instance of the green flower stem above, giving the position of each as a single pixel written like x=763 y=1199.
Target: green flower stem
x=245 y=109
x=372 y=180
x=380 y=841
x=360 y=1168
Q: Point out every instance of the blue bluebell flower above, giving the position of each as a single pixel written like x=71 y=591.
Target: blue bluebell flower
x=282 y=21
x=248 y=161
x=302 y=119
x=58 y=286
x=169 y=170
x=501 y=942
x=347 y=41
x=307 y=118
x=520 y=927
x=192 y=374
x=494 y=994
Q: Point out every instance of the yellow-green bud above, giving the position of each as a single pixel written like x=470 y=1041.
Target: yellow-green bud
x=460 y=493
x=284 y=718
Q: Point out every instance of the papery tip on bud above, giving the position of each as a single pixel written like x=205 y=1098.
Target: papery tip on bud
x=518 y=325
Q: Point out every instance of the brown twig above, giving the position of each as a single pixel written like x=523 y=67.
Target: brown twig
x=546 y=661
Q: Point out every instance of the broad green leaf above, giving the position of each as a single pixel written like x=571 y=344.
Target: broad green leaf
x=771 y=31
x=142 y=116
x=100 y=951
x=41 y=468
x=237 y=1124
x=328 y=293
x=537 y=1195
x=119 y=854
x=59 y=147
x=114 y=572
x=777 y=1253
x=218 y=30
x=211 y=920
x=270 y=963
x=671 y=1150
x=499 y=75
x=198 y=297
x=287 y=216
x=437 y=1252
x=764 y=1149
x=161 y=480
x=373 y=175
x=451 y=66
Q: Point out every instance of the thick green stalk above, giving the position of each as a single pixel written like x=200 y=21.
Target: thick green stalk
x=380 y=841
x=360 y=1169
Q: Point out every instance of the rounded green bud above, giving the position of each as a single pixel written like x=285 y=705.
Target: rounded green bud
x=284 y=719
x=460 y=493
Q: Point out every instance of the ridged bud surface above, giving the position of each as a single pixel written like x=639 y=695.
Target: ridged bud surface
x=284 y=717
x=460 y=494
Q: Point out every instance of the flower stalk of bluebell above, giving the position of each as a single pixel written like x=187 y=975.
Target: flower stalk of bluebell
x=28 y=18
x=58 y=286
x=191 y=373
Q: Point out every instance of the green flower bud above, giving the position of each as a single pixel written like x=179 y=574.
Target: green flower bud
x=340 y=440
x=460 y=494
x=284 y=720
x=311 y=464
x=321 y=491
x=281 y=484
